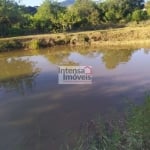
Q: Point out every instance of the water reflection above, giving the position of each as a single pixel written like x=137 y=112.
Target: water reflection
x=111 y=58
x=17 y=73
x=60 y=57
x=42 y=118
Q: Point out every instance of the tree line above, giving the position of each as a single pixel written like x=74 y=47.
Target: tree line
x=52 y=17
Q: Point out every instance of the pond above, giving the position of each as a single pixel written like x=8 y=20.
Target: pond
x=36 y=113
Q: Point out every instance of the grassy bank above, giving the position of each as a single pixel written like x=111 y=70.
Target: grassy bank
x=129 y=133
x=116 y=37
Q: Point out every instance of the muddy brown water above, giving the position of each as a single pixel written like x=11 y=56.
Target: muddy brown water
x=36 y=113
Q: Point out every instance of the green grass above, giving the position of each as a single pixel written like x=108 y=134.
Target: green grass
x=132 y=133
x=139 y=35
x=34 y=44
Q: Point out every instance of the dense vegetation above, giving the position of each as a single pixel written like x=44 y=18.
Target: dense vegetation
x=51 y=16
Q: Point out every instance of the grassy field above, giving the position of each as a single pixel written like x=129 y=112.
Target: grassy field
x=120 y=36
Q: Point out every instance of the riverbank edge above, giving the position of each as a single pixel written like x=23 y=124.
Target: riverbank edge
x=112 y=37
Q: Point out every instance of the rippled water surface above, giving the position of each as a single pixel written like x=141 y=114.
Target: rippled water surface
x=38 y=114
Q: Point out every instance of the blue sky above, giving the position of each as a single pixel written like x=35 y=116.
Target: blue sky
x=31 y=2
x=34 y=2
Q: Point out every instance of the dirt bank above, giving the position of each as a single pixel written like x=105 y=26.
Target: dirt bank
x=122 y=36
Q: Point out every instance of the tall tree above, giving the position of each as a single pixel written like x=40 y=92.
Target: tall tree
x=49 y=12
x=9 y=15
x=87 y=10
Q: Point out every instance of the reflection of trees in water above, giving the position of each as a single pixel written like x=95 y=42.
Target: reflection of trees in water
x=112 y=58
x=17 y=74
x=60 y=57
x=20 y=84
x=146 y=51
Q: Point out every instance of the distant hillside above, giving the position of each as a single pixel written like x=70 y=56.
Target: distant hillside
x=31 y=10
x=67 y=2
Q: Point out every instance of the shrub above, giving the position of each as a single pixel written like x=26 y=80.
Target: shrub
x=34 y=44
x=10 y=45
x=139 y=15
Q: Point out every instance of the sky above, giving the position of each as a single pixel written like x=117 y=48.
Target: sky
x=34 y=2
x=31 y=2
